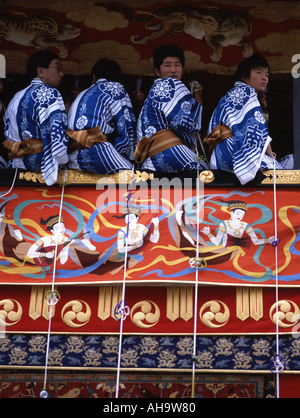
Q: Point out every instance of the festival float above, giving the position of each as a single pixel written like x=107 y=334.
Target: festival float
x=158 y=285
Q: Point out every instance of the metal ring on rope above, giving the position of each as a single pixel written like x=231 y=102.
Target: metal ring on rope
x=52 y=297
x=44 y=394
x=121 y=311
x=277 y=364
x=200 y=263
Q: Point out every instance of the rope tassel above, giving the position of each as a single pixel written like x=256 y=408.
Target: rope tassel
x=278 y=362
x=52 y=296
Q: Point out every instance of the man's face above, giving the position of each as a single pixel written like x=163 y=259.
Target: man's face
x=171 y=67
x=259 y=79
x=53 y=75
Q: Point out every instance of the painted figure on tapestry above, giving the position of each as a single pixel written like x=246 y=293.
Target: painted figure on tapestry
x=12 y=244
x=36 y=120
x=134 y=235
x=102 y=124
x=132 y=241
x=239 y=141
x=170 y=118
x=234 y=232
x=218 y=28
x=233 y=237
x=42 y=252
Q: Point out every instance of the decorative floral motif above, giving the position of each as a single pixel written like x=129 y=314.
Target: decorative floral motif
x=44 y=95
x=186 y=107
x=116 y=90
x=237 y=96
x=259 y=117
x=163 y=90
x=82 y=122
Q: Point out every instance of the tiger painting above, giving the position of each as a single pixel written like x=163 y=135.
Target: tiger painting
x=38 y=31
x=216 y=27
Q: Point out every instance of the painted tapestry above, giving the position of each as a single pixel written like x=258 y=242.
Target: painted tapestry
x=149 y=235
x=214 y=35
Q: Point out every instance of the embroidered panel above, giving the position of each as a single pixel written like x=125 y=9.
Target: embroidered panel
x=149 y=310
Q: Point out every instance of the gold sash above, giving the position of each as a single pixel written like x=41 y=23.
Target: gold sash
x=85 y=138
x=219 y=134
x=21 y=149
x=159 y=142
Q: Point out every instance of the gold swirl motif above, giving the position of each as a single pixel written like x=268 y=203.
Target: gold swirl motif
x=145 y=314
x=76 y=313
x=207 y=177
x=214 y=314
x=287 y=311
x=8 y=312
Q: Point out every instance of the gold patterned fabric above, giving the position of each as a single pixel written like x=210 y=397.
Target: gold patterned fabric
x=159 y=142
x=85 y=138
x=219 y=134
x=21 y=149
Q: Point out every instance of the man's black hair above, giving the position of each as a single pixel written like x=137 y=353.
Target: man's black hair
x=165 y=51
x=108 y=69
x=39 y=59
x=245 y=67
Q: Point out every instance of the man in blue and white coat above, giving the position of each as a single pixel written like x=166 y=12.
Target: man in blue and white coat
x=102 y=123
x=170 y=118
x=36 y=120
x=246 y=149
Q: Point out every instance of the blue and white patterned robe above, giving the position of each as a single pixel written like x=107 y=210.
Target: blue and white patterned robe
x=3 y=163
x=170 y=105
x=107 y=105
x=39 y=112
x=244 y=154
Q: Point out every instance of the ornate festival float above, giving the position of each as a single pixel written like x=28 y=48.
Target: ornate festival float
x=148 y=284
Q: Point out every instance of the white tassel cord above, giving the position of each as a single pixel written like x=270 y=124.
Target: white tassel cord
x=278 y=365
x=194 y=357
x=123 y=310
x=53 y=296
x=199 y=264
x=12 y=186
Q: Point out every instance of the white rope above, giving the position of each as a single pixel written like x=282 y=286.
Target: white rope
x=194 y=358
x=52 y=300
x=12 y=186
x=122 y=308
x=277 y=362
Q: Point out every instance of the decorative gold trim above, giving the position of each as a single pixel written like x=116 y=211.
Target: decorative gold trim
x=180 y=303
x=249 y=303
x=256 y=303
x=150 y=370
x=125 y=177
x=207 y=177
x=109 y=297
x=38 y=306
x=79 y=177
x=282 y=177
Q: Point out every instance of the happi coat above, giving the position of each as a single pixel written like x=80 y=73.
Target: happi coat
x=244 y=153
x=105 y=105
x=171 y=106
x=38 y=112
x=3 y=163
